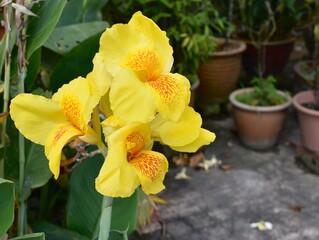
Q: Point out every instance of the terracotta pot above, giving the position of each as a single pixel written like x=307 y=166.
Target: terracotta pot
x=308 y=120
x=218 y=76
x=258 y=127
x=194 y=87
x=276 y=57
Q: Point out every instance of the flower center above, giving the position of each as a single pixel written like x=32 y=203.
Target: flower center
x=71 y=108
x=146 y=63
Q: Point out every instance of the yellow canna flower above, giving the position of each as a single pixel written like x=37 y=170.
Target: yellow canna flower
x=185 y=135
x=139 y=58
x=55 y=122
x=130 y=163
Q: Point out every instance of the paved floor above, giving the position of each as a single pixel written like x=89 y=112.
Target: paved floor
x=221 y=205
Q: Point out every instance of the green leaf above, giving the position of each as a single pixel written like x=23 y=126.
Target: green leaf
x=64 y=39
x=93 y=9
x=6 y=205
x=40 y=28
x=84 y=205
x=53 y=232
x=33 y=68
x=71 y=14
x=37 y=171
x=33 y=236
x=76 y=63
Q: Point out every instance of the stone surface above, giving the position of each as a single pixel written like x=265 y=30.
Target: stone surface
x=220 y=205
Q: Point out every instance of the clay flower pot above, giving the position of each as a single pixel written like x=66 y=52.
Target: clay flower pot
x=276 y=57
x=218 y=76
x=258 y=128
x=308 y=120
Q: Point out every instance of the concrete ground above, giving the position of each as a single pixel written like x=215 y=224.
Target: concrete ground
x=221 y=204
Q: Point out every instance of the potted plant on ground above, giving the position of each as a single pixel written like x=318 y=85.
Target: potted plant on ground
x=260 y=112
x=220 y=72
x=307 y=103
x=260 y=19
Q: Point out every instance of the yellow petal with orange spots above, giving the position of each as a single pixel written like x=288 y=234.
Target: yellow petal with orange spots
x=171 y=93
x=156 y=36
x=130 y=99
x=117 y=178
x=145 y=62
x=77 y=101
x=117 y=42
x=59 y=136
x=179 y=133
x=151 y=168
x=35 y=116
x=205 y=137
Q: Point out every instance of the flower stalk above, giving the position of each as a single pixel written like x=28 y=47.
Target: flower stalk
x=7 y=12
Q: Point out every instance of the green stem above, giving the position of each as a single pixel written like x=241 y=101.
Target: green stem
x=105 y=221
x=22 y=208
x=106 y=212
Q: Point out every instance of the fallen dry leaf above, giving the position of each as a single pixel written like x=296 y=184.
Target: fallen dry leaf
x=181 y=160
x=226 y=167
x=196 y=159
x=296 y=208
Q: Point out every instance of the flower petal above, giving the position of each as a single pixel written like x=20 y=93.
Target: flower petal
x=171 y=94
x=130 y=99
x=59 y=136
x=99 y=75
x=77 y=101
x=117 y=178
x=116 y=42
x=35 y=116
x=156 y=36
x=205 y=137
x=151 y=168
x=179 y=133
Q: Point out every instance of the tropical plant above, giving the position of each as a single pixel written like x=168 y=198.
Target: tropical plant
x=62 y=87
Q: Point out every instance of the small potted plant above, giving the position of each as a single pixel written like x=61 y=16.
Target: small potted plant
x=219 y=73
x=306 y=104
x=260 y=112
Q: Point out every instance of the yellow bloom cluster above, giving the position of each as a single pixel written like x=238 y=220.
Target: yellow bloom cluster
x=142 y=101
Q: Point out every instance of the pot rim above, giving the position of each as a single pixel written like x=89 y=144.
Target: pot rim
x=272 y=43
x=241 y=48
x=246 y=107
x=297 y=103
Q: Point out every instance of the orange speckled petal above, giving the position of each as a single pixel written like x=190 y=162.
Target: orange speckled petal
x=151 y=168
x=77 y=101
x=61 y=135
x=35 y=116
x=205 y=137
x=117 y=178
x=116 y=42
x=157 y=37
x=172 y=94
